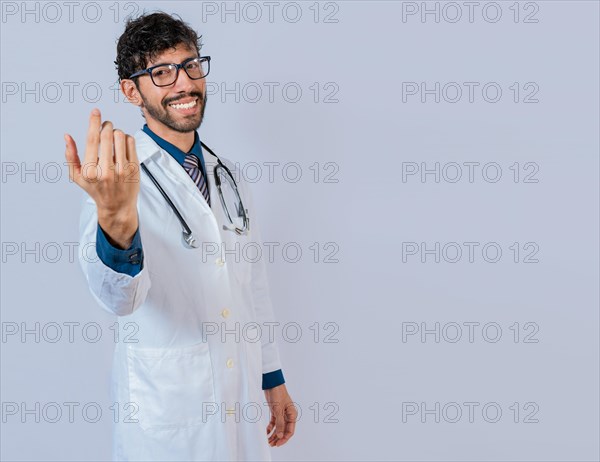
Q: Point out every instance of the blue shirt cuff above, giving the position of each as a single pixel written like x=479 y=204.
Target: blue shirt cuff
x=128 y=261
x=272 y=379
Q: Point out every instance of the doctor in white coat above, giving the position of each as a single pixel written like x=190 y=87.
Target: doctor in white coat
x=191 y=388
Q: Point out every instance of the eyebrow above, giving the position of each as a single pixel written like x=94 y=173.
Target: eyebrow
x=185 y=59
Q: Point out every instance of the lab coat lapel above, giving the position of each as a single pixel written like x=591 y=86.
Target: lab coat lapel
x=170 y=174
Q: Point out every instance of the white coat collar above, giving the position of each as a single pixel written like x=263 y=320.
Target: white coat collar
x=148 y=149
x=145 y=146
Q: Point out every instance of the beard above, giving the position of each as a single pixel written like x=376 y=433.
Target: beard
x=161 y=113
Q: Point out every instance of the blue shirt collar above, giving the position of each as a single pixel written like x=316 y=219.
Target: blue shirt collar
x=177 y=153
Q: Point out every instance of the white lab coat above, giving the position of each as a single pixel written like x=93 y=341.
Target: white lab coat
x=176 y=382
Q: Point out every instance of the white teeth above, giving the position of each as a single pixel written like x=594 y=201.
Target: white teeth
x=184 y=106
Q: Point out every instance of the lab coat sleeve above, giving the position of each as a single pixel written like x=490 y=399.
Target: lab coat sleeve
x=261 y=299
x=118 y=293
x=129 y=261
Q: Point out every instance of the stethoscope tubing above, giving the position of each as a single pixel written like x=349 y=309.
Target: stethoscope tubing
x=187 y=232
x=168 y=199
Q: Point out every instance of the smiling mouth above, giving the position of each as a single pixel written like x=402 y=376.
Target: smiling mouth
x=188 y=105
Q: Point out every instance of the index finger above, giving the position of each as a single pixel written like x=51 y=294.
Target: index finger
x=93 y=138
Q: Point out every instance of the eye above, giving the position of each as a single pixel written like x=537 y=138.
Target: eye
x=162 y=71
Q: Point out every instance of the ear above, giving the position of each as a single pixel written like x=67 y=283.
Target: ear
x=131 y=92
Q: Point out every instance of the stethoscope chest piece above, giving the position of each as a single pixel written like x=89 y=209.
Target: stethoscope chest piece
x=189 y=240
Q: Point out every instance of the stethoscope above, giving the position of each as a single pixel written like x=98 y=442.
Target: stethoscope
x=241 y=212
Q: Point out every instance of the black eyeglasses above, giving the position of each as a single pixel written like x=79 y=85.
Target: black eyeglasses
x=164 y=75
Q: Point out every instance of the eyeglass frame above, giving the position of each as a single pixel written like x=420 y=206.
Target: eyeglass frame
x=177 y=67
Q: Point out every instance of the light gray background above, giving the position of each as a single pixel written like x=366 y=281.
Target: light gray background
x=368 y=133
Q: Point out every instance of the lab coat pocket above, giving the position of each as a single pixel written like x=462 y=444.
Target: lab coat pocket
x=171 y=387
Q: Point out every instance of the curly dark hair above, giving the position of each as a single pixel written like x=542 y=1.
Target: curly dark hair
x=149 y=35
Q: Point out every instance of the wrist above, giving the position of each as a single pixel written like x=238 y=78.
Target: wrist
x=119 y=227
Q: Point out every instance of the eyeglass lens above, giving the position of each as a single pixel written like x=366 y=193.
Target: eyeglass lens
x=167 y=74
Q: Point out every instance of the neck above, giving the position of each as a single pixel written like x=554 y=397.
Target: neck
x=183 y=141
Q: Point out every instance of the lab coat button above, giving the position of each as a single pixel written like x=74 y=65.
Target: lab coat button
x=225 y=313
x=220 y=262
x=230 y=363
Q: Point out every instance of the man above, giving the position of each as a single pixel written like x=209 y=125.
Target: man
x=190 y=388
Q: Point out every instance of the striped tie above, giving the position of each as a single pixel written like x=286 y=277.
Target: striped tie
x=192 y=166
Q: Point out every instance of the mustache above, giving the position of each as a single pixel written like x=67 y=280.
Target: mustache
x=198 y=95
